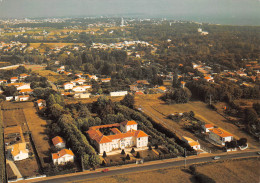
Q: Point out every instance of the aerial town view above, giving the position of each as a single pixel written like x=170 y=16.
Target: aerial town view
x=129 y=91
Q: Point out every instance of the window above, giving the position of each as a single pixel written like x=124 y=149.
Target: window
x=139 y=138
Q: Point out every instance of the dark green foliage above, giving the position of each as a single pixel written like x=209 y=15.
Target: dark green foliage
x=133 y=150
x=128 y=101
x=127 y=157
x=150 y=147
x=104 y=154
x=179 y=95
x=123 y=151
x=138 y=155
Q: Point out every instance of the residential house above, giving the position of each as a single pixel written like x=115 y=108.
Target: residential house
x=127 y=136
x=68 y=86
x=118 y=93
x=41 y=103
x=194 y=144
x=23 y=76
x=26 y=91
x=9 y=98
x=19 y=152
x=82 y=95
x=23 y=86
x=183 y=84
x=23 y=98
x=79 y=81
x=14 y=79
x=207 y=127
x=63 y=156
x=58 y=142
x=105 y=80
x=220 y=136
x=209 y=79
x=79 y=89
x=162 y=89
x=3 y=81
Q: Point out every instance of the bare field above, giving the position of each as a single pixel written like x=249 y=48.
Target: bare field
x=52 y=76
x=38 y=127
x=229 y=171
x=90 y=100
x=34 y=67
x=158 y=110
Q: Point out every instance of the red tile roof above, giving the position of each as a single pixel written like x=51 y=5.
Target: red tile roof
x=62 y=153
x=128 y=123
x=220 y=132
x=57 y=140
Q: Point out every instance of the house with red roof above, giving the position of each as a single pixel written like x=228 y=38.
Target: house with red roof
x=58 y=142
x=220 y=136
x=14 y=79
x=194 y=144
x=122 y=135
x=207 y=127
x=63 y=156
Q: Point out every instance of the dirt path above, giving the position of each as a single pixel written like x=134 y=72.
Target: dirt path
x=14 y=168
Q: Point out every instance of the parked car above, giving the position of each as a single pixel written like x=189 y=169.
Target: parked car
x=105 y=170
x=216 y=157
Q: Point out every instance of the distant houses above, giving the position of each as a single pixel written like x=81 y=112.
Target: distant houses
x=58 y=142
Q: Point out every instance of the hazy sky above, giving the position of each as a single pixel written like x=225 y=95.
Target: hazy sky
x=221 y=9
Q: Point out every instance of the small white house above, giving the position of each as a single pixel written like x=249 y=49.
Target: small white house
x=82 y=95
x=207 y=127
x=79 y=89
x=14 y=79
x=19 y=151
x=68 y=86
x=23 y=86
x=24 y=98
x=194 y=144
x=118 y=93
x=63 y=156
x=58 y=142
x=9 y=98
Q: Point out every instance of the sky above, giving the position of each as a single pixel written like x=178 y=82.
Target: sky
x=215 y=11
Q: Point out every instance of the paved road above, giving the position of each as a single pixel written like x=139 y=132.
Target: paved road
x=190 y=160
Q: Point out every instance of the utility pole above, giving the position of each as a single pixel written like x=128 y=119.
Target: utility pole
x=210 y=99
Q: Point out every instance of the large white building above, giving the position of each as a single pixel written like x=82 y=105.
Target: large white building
x=127 y=136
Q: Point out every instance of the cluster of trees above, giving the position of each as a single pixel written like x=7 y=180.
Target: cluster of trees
x=177 y=95
x=63 y=124
x=251 y=121
x=221 y=92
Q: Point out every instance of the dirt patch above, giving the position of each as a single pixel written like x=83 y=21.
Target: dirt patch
x=27 y=167
x=10 y=173
x=38 y=127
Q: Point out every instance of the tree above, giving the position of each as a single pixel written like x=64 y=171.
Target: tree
x=104 y=154
x=150 y=147
x=138 y=155
x=156 y=146
x=256 y=106
x=10 y=91
x=128 y=101
x=133 y=150
x=123 y=151
x=242 y=142
x=127 y=157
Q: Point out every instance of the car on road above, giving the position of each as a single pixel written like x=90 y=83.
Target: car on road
x=105 y=170
x=216 y=157
x=258 y=152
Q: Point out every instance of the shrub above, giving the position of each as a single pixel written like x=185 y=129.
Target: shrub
x=138 y=155
x=123 y=151
x=133 y=150
x=104 y=154
x=150 y=147
x=127 y=157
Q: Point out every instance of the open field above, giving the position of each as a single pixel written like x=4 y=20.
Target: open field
x=90 y=100
x=34 y=67
x=38 y=127
x=52 y=45
x=158 y=110
x=52 y=76
x=27 y=167
x=246 y=170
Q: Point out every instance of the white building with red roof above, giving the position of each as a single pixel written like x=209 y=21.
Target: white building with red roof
x=127 y=136
x=220 y=136
x=58 y=142
x=207 y=127
x=68 y=86
x=63 y=156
